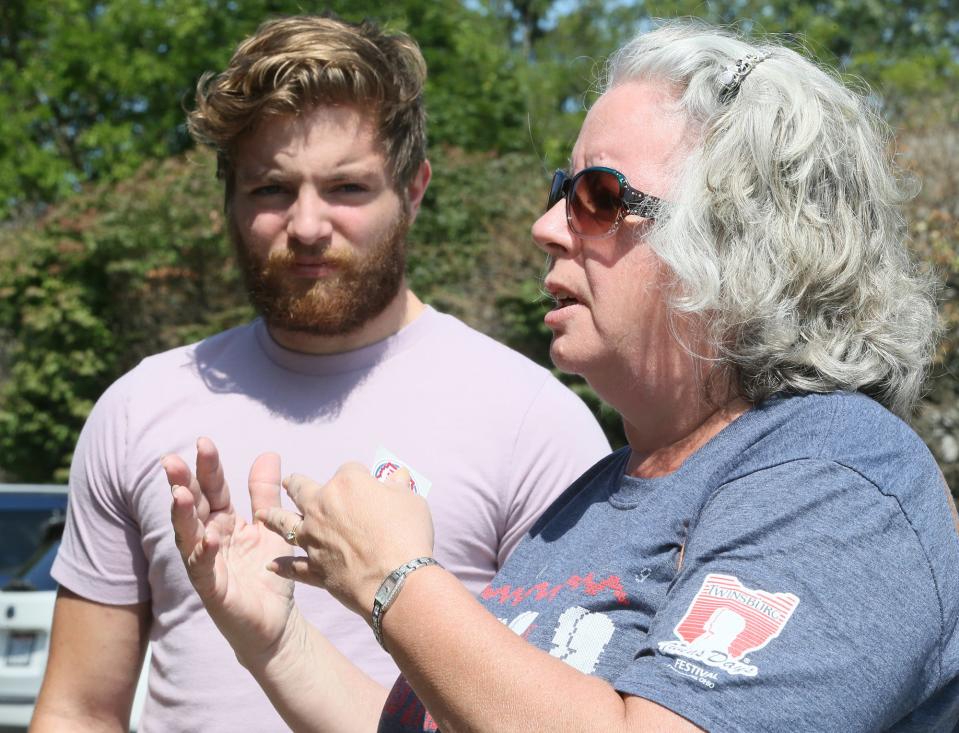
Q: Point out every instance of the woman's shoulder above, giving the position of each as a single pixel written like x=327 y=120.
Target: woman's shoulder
x=846 y=428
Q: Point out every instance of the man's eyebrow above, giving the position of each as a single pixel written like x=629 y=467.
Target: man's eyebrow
x=345 y=172
x=350 y=172
x=258 y=172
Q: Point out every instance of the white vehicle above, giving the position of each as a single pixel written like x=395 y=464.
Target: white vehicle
x=31 y=524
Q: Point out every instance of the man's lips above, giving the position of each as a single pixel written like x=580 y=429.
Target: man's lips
x=313 y=268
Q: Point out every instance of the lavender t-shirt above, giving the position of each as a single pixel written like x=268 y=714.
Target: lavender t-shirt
x=493 y=436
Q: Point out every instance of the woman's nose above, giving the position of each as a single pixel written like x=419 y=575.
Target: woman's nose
x=551 y=232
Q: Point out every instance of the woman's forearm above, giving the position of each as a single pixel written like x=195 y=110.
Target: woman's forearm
x=314 y=687
x=473 y=673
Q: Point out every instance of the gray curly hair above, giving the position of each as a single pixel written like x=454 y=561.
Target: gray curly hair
x=785 y=232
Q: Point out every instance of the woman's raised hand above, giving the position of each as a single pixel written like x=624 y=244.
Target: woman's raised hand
x=355 y=531
x=226 y=557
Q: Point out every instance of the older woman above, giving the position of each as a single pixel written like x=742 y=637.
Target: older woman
x=774 y=548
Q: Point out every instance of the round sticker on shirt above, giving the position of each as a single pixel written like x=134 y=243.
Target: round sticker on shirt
x=385 y=469
x=386 y=463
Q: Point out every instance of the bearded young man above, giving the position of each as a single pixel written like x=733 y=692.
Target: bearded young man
x=319 y=128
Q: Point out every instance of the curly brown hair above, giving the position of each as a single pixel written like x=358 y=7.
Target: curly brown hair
x=294 y=63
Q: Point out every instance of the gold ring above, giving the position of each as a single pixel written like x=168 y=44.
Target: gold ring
x=290 y=536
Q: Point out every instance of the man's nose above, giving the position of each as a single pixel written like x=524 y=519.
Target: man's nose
x=310 y=219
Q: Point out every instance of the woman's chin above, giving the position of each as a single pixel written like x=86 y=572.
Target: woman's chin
x=567 y=358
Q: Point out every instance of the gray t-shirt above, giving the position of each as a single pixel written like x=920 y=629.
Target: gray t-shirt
x=796 y=573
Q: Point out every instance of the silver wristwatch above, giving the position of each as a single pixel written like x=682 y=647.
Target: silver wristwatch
x=390 y=589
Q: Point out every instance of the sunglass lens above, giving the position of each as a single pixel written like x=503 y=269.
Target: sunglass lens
x=595 y=203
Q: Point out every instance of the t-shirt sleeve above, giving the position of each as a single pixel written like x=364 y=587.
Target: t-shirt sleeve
x=101 y=555
x=557 y=440
x=804 y=602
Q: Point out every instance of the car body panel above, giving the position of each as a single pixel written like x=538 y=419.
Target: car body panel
x=31 y=523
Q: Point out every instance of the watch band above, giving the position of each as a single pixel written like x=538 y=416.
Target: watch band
x=389 y=589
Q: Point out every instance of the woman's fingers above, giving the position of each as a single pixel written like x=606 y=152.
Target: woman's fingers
x=302 y=489
x=177 y=472
x=295 y=568
x=285 y=523
x=401 y=479
x=209 y=474
x=187 y=529
x=356 y=531
x=198 y=545
x=201 y=565
x=264 y=482
x=305 y=492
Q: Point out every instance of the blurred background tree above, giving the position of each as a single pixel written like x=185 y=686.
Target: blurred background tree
x=111 y=230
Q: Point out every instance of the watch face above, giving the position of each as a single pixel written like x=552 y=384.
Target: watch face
x=396 y=578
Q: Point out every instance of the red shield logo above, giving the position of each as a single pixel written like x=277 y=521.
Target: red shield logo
x=727 y=620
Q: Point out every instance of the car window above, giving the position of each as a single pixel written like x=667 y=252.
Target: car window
x=27 y=523
x=35 y=574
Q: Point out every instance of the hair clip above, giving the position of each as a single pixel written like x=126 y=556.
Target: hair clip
x=732 y=78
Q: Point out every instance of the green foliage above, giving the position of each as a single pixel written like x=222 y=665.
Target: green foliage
x=113 y=245
x=907 y=51
x=473 y=92
x=928 y=145
x=92 y=89
x=125 y=270
x=471 y=254
x=100 y=281
x=93 y=92
x=559 y=50
x=89 y=90
x=57 y=362
x=471 y=241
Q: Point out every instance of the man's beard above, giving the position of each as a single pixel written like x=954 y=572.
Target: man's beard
x=361 y=286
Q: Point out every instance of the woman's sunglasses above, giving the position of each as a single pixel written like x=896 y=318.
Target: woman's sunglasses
x=597 y=200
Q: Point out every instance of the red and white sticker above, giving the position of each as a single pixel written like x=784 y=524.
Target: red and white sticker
x=726 y=621
x=385 y=464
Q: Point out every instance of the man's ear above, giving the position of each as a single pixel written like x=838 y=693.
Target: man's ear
x=416 y=188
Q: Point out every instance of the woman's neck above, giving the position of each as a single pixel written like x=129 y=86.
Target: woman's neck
x=652 y=457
